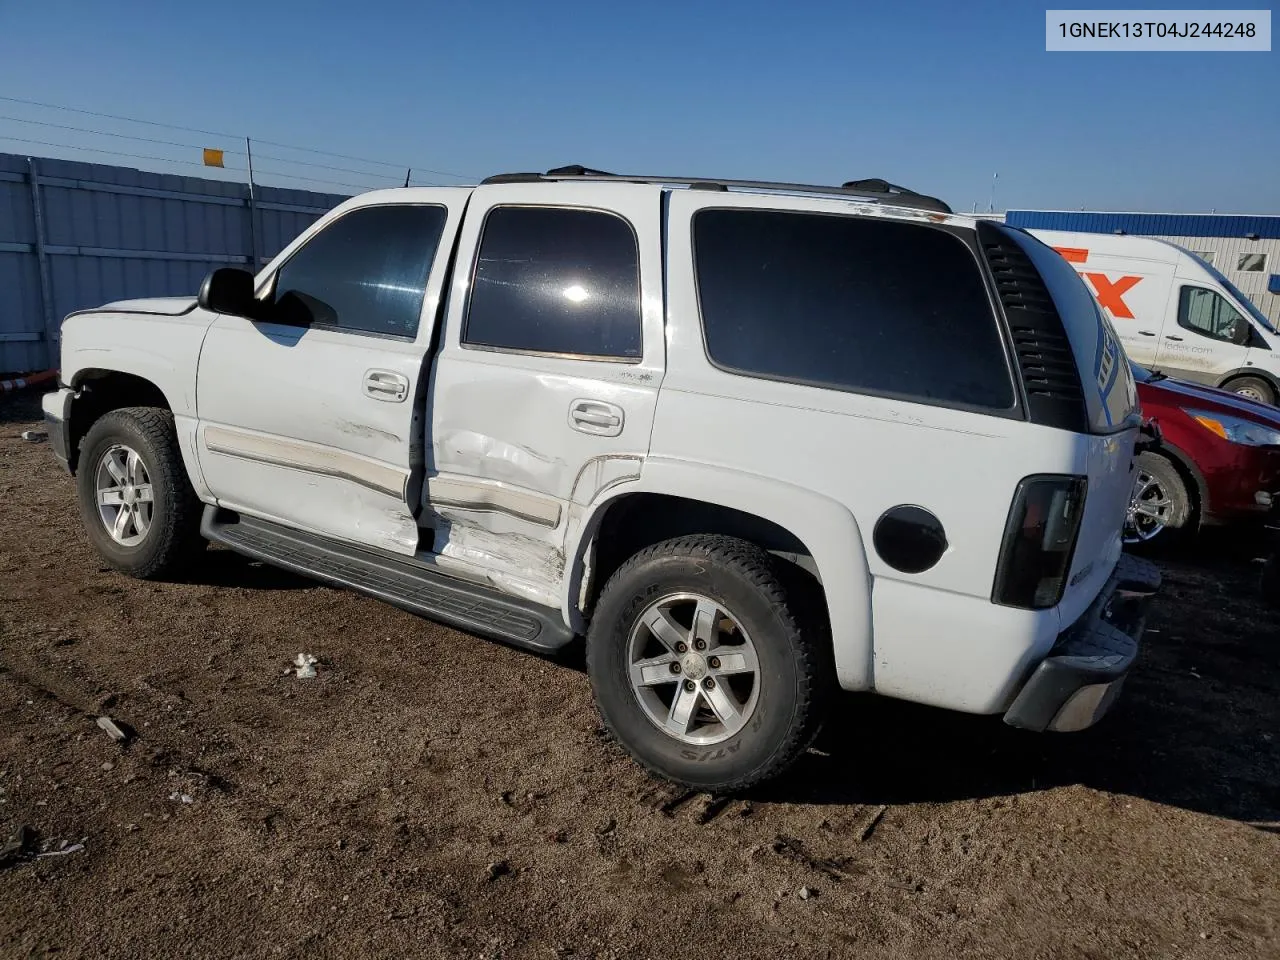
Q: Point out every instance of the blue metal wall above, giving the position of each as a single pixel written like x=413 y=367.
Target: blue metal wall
x=1221 y=240
x=76 y=235
x=1147 y=224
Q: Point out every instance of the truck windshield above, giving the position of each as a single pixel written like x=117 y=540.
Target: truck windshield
x=1247 y=305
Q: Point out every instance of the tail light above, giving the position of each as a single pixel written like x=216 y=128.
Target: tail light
x=1039 y=541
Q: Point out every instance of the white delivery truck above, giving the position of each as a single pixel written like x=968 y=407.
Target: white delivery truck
x=1176 y=313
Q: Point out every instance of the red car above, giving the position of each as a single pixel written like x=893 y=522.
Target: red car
x=1218 y=462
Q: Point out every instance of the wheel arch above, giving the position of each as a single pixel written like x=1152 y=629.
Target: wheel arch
x=1258 y=372
x=671 y=498
x=1196 y=483
x=98 y=391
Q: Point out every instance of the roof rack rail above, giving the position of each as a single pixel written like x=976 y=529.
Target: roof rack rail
x=869 y=189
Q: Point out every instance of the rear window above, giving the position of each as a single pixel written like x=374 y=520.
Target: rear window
x=854 y=304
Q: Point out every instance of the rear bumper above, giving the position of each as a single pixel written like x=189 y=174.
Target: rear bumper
x=57 y=414
x=1075 y=685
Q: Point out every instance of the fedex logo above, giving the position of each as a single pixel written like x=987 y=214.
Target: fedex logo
x=1110 y=294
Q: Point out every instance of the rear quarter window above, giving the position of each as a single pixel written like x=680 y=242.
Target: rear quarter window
x=847 y=303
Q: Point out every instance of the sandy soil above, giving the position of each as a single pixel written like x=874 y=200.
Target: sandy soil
x=433 y=794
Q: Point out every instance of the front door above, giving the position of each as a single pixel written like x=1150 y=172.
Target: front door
x=1207 y=339
x=544 y=391
x=314 y=419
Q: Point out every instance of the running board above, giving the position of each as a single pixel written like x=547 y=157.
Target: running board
x=404 y=582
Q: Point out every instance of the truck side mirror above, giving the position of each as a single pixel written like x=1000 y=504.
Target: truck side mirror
x=228 y=290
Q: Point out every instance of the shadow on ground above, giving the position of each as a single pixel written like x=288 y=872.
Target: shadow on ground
x=1197 y=725
x=21 y=407
x=223 y=568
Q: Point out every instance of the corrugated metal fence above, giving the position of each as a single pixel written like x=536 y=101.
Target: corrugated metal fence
x=76 y=235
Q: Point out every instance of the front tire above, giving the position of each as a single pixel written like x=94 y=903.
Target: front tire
x=1160 y=506
x=138 y=506
x=699 y=666
x=1254 y=388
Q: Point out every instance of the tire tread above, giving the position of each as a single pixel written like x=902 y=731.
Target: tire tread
x=761 y=570
x=180 y=536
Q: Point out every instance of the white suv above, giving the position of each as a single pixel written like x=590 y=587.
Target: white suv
x=754 y=441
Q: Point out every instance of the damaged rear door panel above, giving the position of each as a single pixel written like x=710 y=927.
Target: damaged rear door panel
x=544 y=389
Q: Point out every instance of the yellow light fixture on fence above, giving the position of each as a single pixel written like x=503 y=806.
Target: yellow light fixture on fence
x=213 y=158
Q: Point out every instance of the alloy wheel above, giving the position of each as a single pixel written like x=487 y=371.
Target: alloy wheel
x=124 y=495
x=693 y=668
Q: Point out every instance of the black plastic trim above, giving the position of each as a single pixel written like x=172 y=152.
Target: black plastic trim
x=410 y=584
x=1043 y=356
x=59 y=440
x=131 y=312
x=873 y=189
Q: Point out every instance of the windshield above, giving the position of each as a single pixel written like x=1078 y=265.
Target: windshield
x=1247 y=304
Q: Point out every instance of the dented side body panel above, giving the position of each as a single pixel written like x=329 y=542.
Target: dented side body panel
x=487 y=469
x=288 y=431
x=506 y=462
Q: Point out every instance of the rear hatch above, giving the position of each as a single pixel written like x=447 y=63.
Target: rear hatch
x=1077 y=379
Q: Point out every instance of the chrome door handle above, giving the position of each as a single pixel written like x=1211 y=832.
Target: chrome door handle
x=385 y=385
x=596 y=417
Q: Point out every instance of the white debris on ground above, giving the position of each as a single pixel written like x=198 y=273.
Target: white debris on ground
x=63 y=848
x=112 y=730
x=306 y=666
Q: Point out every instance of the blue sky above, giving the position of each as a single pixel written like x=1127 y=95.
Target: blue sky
x=934 y=95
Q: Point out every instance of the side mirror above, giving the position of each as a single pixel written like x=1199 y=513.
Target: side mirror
x=1243 y=333
x=228 y=290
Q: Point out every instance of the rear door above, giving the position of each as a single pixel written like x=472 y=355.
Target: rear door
x=315 y=419
x=543 y=393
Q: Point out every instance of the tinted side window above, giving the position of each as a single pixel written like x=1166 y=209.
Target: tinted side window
x=366 y=271
x=849 y=303
x=556 y=280
x=1208 y=313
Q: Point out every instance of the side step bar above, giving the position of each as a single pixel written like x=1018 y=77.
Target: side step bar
x=412 y=585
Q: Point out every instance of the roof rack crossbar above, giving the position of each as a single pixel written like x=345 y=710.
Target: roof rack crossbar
x=876 y=190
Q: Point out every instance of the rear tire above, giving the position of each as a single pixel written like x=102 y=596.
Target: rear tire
x=138 y=506
x=1255 y=388
x=1160 y=508
x=697 y=716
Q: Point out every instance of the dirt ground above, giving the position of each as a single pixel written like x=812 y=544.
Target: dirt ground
x=431 y=794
